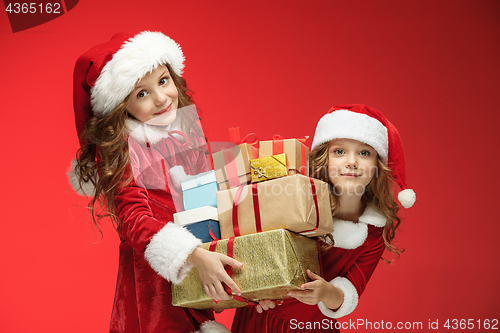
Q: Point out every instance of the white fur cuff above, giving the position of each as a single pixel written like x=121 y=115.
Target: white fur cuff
x=168 y=250
x=350 y=299
x=213 y=327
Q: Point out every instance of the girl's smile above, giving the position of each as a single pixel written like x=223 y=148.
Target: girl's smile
x=167 y=109
x=155 y=98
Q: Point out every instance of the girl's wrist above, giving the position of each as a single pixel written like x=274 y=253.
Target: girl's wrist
x=334 y=298
x=192 y=258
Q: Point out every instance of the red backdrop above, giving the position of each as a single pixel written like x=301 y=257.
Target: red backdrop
x=269 y=67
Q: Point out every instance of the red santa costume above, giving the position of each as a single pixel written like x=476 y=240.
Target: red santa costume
x=153 y=250
x=358 y=246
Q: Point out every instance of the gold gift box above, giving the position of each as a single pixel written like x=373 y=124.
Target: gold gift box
x=267 y=168
x=284 y=203
x=274 y=263
x=232 y=166
x=295 y=159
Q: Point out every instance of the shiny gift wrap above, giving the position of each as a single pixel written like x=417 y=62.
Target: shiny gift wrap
x=274 y=263
x=281 y=203
x=270 y=167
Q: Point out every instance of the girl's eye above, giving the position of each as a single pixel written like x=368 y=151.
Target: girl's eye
x=338 y=151
x=364 y=153
x=141 y=94
x=163 y=81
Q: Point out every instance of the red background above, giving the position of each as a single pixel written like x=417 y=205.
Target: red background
x=269 y=67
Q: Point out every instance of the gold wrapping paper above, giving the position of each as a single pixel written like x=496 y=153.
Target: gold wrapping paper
x=284 y=203
x=267 y=168
x=274 y=263
x=293 y=150
x=242 y=153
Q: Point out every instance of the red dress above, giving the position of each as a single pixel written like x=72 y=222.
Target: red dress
x=153 y=249
x=348 y=266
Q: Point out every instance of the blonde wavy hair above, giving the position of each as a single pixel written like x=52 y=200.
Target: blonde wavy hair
x=103 y=159
x=378 y=193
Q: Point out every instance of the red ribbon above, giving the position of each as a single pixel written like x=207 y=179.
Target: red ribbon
x=256 y=208
x=277 y=144
x=212 y=235
x=234 y=137
x=236 y=199
x=176 y=141
x=302 y=159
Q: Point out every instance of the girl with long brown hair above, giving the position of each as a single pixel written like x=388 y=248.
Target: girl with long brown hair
x=140 y=136
x=359 y=153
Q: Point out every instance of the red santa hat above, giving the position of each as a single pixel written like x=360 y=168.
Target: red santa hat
x=362 y=123
x=106 y=74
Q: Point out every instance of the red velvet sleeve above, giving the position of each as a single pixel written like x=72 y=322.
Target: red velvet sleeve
x=362 y=269
x=134 y=211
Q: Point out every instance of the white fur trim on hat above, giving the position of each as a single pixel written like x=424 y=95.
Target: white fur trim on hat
x=138 y=56
x=344 y=124
x=168 y=250
x=350 y=299
x=213 y=327
x=85 y=188
x=407 y=198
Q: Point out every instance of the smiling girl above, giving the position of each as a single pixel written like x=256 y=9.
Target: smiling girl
x=359 y=153
x=139 y=135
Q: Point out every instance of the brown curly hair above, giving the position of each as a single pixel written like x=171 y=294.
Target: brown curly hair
x=378 y=193
x=103 y=159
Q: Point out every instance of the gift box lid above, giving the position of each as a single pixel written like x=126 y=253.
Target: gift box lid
x=198 y=180
x=196 y=215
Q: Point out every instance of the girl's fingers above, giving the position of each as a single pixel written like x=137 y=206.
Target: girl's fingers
x=264 y=305
x=230 y=261
x=267 y=304
x=312 y=275
x=212 y=292
x=221 y=293
x=231 y=284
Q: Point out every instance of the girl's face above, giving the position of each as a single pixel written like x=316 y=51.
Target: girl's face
x=351 y=166
x=155 y=98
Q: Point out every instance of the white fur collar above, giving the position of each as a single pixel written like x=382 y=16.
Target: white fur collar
x=349 y=235
x=143 y=133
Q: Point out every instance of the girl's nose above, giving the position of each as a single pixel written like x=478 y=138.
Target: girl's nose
x=352 y=163
x=160 y=98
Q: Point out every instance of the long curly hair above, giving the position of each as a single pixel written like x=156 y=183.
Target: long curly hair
x=103 y=159
x=377 y=193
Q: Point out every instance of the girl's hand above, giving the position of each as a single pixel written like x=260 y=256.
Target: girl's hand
x=266 y=305
x=319 y=290
x=210 y=266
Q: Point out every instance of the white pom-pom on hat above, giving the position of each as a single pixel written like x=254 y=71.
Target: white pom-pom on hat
x=407 y=198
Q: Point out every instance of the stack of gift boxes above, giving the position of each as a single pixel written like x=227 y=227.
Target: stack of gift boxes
x=268 y=210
